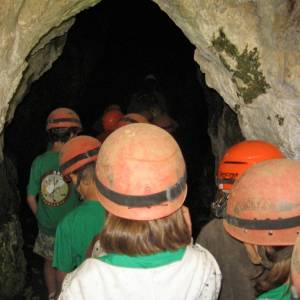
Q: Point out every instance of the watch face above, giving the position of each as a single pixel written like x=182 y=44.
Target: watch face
x=54 y=189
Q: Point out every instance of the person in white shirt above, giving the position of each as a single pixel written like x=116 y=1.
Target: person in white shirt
x=146 y=241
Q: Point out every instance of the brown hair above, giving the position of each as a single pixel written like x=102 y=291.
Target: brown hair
x=86 y=173
x=133 y=237
x=276 y=262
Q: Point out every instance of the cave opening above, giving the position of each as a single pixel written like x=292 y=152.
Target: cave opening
x=109 y=51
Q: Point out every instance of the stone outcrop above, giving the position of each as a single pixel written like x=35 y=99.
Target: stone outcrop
x=32 y=36
x=249 y=52
x=12 y=260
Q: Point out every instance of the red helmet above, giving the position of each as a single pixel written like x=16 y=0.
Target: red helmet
x=240 y=157
x=141 y=173
x=132 y=118
x=263 y=208
x=78 y=152
x=63 y=118
x=111 y=117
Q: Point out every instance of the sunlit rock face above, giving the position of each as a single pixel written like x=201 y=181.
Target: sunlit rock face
x=250 y=53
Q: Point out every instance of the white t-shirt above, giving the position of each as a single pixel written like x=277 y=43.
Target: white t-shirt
x=195 y=276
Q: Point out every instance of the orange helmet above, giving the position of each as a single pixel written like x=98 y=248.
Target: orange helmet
x=240 y=157
x=78 y=152
x=63 y=118
x=132 y=118
x=295 y=269
x=141 y=173
x=111 y=117
x=263 y=208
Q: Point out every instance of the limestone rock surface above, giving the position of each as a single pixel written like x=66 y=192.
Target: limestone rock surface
x=249 y=51
x=32 y=35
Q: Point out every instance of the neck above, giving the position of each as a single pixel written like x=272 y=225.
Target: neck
x=56 y=147
x=90 y=192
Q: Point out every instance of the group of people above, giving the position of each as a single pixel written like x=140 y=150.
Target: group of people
x=113 y=225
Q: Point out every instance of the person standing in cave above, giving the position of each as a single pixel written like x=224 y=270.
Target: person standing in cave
x=77 y=230
x=146 y=240
x=263 y=213
x=105 y=125
x=49 y=196
x=151 y=103
x=231 y=255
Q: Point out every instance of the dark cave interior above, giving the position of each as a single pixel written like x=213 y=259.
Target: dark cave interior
x=109 y=51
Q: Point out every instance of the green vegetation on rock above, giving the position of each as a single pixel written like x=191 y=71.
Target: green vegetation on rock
x=245 y=67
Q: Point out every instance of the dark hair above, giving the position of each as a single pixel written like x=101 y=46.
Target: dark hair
x=132 y=237
x=276 y=262
x=61 y=134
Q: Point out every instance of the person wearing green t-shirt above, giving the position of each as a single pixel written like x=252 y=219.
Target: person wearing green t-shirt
x=77 y=230
x=49 y=196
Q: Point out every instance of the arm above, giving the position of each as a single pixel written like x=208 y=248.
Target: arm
x=62 y=256
x=33 y=187
x=31 y=200
x=60 y=276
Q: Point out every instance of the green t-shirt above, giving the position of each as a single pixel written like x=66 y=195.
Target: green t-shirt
x=56 y=198
x=143 y=261
x=75 y=233
x=280 y=293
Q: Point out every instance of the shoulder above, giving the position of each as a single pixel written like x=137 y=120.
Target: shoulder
x=90 y=209
x=202 y=262
x=47 y=154
x=85 y=213
x=44 y=156
x=87 y=271
x=202 y=256
x=213 y=225
x=86 y=210
x=211 y=230
x=205 y=269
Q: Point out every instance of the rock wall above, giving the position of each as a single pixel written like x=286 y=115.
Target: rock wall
x=223 y=126
x=12 y=260
x=249 y=52
x=32 y=34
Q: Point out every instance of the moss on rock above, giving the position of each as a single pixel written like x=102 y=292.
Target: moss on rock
x=245 y=67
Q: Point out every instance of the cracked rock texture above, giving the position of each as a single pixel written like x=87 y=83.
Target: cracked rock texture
x=249 y=52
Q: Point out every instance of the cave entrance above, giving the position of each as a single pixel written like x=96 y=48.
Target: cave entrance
x=109 y=51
